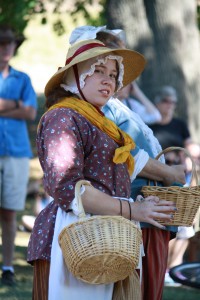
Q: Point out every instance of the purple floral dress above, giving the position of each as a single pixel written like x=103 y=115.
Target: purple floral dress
x=70 y=149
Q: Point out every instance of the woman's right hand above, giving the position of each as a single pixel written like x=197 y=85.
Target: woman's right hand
x=151 y=209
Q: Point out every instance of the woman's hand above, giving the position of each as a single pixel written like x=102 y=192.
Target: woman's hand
x=151 y=209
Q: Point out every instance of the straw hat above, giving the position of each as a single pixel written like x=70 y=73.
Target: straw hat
x=133 y=61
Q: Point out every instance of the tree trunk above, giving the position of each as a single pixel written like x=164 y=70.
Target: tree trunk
x=166 y=33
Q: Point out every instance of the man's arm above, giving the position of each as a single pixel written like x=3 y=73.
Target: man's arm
x=16 y=110
x=7 y=104
x=155 y=170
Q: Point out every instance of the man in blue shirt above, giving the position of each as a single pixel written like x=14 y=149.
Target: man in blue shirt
x=17 y=104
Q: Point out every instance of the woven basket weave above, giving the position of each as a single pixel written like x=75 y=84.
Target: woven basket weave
x=100 y=249
x=187 y=199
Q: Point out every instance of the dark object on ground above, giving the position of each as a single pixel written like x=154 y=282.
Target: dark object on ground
x=187 y=274
x=8 y=278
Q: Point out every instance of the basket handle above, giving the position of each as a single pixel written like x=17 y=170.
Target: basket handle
x=194 y=171
x=78 y=196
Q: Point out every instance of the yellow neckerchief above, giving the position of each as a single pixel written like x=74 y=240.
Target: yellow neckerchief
x=122 y=154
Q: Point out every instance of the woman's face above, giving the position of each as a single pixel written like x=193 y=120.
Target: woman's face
x=101 y=85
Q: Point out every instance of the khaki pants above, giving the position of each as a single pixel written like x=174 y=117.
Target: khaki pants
x=14 y=175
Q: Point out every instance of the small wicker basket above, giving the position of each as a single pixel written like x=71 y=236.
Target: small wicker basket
x=187 y=199
x=100 y=249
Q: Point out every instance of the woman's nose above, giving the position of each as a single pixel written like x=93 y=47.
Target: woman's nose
x=107 y=79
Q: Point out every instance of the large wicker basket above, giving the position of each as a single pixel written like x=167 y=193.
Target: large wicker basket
x=187 y=199
x=100 y=249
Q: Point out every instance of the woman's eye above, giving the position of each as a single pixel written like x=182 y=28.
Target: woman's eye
x=113 y=76
x=99 y=71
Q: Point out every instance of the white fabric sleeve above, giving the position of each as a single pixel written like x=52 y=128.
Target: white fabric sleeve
x=141 y=159
x=74 y=204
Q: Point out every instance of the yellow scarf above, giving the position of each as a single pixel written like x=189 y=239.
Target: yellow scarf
x=122 y=154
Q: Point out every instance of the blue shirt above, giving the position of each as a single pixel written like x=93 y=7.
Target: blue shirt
x=14 y=138
x=125 y=119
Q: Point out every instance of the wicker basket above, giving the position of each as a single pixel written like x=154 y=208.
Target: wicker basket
x=187 y=199
x=100 y=249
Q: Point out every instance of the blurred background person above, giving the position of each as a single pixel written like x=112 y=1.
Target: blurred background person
x=173 y=132
x=194 y=150
x=170 y=130
x=134 y=98
x=42 y=199
x=17 y=105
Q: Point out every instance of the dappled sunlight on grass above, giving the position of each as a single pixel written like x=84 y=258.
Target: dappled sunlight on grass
x=180 y=293
x=22 y=291
x=24 y=277
x=22 y=238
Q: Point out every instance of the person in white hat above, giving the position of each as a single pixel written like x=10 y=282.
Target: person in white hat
x=75 y=141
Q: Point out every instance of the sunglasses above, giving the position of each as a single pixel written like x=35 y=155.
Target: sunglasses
x=171 y=162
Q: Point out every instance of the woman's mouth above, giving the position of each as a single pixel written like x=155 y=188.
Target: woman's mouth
x=105 y=92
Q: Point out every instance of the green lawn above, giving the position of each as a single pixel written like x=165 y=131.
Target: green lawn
x=181 y=293
x=24 y=275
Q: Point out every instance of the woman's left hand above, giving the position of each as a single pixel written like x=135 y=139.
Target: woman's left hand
x=151 y=209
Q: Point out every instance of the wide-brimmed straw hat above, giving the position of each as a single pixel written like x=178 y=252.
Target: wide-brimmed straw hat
x=133 y=61
x=8 y=35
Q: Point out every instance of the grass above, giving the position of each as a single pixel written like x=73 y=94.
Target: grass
x=24 y=272
x=23 y=288
x=180 y=293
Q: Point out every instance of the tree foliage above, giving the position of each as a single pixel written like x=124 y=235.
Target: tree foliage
x=17 y=13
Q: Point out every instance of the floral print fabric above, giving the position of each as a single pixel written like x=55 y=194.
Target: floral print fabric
x=70 y=148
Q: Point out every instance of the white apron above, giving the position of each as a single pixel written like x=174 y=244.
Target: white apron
x=62 y=284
